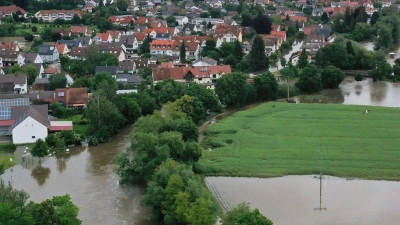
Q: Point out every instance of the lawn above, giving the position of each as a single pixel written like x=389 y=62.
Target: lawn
x=78 y=128
x=276 y=139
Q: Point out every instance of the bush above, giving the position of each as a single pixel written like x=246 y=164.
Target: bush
x=358 y=77
x=51 y=140
x=60 y=144
x=8 y=147
x=282 y=90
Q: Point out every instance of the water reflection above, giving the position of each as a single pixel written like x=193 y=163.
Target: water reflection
x=293 y=199
x=87 y=175
x=41 y=174
x=352 y=92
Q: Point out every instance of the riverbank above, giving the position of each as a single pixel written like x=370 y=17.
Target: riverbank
x=277 y=139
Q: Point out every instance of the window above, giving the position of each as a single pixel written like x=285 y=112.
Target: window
x=33 y=137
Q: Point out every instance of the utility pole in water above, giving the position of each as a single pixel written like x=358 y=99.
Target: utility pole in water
x=320 y=208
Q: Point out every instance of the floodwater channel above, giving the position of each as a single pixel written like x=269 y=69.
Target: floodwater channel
x=296 y=199
x=86 y=174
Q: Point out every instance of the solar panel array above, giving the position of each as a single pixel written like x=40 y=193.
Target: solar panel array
x=14 y=102
x=5 y=113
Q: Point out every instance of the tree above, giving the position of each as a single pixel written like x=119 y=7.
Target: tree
x=190 y=106
x=252 y=218
x=331 y=77
x=57 y=81
x=215 y=13
x=283 y=61
x=104 y=24
x=122 y=5
x=145 y=47
x=76 y=20
x=109 y=59
x=59 y=21
x=87 y=19
x=238 y=51
x=247 y=21
x=303 y=59
x=384 y=39
x=34 y=29
x=21 y=3
x=230 y=60
x=145 y=73
x=266 y=86
x=309 y=80
x=182 y=54
x=171 y=21
x=231 y=89
x=374 y=18
x=335 y=54
x=206 y=96
x=325 y=18
x=32 y=73
x=262 y=24
x=56 y=36
x=40 y=149
x=204 y=15
x=257 y=58
x=29 y=37
x=47 y=34
x=59 y=210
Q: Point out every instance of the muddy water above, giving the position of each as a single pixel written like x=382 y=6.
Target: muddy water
x=86 y=175
x=351 y=92
x=296 y=199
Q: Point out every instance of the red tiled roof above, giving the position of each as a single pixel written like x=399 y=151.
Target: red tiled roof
x=141 y=20
x=6 y=123
x=12 y=9
x=61 y=48
x=103 y=36
x=79 y=29
x=140 y=36
x=60 y=128
x=51 y=70
x=72 y=95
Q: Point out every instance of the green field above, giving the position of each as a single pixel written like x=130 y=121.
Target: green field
x=78 y=128
x=276 y=139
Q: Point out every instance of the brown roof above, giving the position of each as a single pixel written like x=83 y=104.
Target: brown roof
x=141 y=20
x=72 y=95
x=79 y=29
x=12 y=9
x=168 y=73
x=11 y=46
x=14 y=78
x=77 y=51
x=51 y=70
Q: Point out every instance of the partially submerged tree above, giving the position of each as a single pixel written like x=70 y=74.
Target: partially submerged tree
x=40 y=150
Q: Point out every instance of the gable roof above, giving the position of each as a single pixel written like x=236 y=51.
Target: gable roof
x=13 y=78
x=69 y=43
x=107 y=69
x=8 y=10
x=46 y=49
x=126 y=65
x=79 y=29
x=72 y=96
x=141 y=20
x=37 y=112
x=30 y=56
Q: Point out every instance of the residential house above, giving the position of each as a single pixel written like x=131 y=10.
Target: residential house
x=113 y=70
x=140 y=20
x=51 y=15
x=152 y=32
x=142 y=63
x=205 y=61
x=202 y=21
x=29 y=123
x=117 y=51
x=38 y=66
x=12 y=9
x=188 y=28
x=14 y=83
x=32 y=57
x=163 y=36
x=128 y=79
x=85 y=41
x=10 y=46
x=102 y=37
x=62 y=49
x=81 y=30
x=182 y=20
x=49 y=71
x=10 y=58
x=131 y=44
x=172 y=48
x=140 y=38
x=115 y=35
x=205 y=75
x=228 y=33
x=201 y=40
x=157 y=22
x=127 y=66
x=313 y=43
x=40 y=84
x=48 y=53
x=151 y=12
x=72 y=97
x=77 y=53
x=124 y=20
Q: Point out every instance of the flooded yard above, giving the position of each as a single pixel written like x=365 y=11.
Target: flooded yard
x=296 y=199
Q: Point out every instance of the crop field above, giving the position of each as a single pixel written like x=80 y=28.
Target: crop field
x=276 y=139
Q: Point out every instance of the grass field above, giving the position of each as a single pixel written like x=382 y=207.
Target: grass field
x=79 y=129
x=276 y=139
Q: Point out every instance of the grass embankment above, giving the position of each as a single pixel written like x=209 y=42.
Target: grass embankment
x=277 y=139
x=5 y=154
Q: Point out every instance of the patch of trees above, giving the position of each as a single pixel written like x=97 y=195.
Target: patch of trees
x=242 y=215
x=14 y=209
x=234 y=90
x=261 y=23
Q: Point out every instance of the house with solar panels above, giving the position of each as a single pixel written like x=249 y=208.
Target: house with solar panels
x=27 y=123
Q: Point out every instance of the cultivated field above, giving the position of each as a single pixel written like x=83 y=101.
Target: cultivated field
x=276 y=139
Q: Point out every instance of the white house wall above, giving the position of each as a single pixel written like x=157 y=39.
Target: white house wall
x=28 y=131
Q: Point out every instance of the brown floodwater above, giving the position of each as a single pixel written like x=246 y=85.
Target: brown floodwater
x=351 y=92
x=296 y=199
x=86 y=174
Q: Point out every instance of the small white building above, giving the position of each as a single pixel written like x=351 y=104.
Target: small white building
x=48 y=53
x=37 y=128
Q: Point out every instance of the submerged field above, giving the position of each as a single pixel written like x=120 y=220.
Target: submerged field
x=276 y=139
